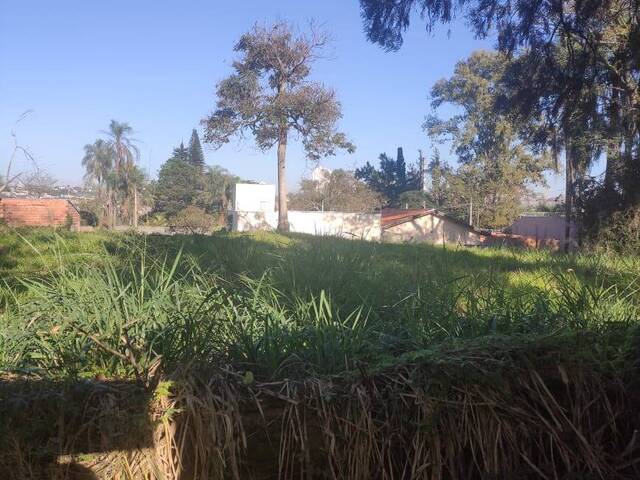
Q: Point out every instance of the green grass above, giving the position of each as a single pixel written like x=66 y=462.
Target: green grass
x=283 y=306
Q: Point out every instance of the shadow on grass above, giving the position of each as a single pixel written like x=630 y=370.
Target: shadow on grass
x=50 y=426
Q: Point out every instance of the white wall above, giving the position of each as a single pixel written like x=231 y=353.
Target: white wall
x=249 y=197
x=348 y=225
x=541 y=227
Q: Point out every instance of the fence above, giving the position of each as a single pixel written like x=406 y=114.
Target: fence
x=364 y=226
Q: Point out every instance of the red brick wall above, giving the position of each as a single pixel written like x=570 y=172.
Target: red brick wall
x=50 y=212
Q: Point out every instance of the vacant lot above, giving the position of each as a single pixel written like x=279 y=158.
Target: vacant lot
x=264 y=356
x=283 y=305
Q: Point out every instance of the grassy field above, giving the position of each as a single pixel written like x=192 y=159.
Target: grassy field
x=271 y=356
x=282 y=306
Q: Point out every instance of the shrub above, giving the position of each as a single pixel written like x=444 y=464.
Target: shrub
x=68 y=222
x=193 y=220
x=157 y=219
x=619 y=233
x=88 y=218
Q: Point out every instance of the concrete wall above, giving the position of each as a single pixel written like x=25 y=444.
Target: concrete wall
x=364 y=226
x=541 y=227
x=248 y=197
x=34 y=212
x=432 y=229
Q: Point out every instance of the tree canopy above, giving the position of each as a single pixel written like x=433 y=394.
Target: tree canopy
x=180 y=184
x=339 y=191
x=575 y=68
x=270 y=96
x=497 y=162
x=391 y=178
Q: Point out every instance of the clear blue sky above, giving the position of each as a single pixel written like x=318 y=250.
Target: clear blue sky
x=155 y=64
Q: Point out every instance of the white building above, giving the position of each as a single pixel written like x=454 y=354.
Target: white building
x=250 y=197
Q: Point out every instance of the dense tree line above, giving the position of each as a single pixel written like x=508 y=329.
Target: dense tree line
x=187 y=187
x=339 y=190
x=572 y=77
x=188 y=193
x=112 y=164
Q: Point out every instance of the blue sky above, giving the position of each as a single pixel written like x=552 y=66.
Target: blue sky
x=155 y=64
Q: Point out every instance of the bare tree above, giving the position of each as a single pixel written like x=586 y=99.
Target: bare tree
x=11 y=177
x=38 y=182
x=270 y=96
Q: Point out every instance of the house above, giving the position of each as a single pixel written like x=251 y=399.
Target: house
x=39 y=212
x=427 y=225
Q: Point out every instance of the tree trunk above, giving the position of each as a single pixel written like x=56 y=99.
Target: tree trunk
x=568 y=195
x=100 y=205
x=613 y=151
x=135 y=207
x=112 y=202
x=283 y=219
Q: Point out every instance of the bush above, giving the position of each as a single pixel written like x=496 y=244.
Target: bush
x=157 y=219
x=88 y=218
x=193 y=220
x=619 y=233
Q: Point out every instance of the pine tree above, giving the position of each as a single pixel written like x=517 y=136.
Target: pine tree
x=181 y=153
x=196 y=157
x=401 y=169
x=391 y=179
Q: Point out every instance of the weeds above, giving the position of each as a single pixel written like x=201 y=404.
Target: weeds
x=272 y=356
x=293 y=308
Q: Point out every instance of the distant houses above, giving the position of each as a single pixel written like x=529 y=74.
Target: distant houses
x=253 y=208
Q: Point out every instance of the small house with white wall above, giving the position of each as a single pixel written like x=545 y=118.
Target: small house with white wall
x=428 y=226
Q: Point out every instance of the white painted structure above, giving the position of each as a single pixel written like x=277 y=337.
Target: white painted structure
x=543 y=228
x=254 y=209
x=431 y=227
x=365 y=226
x=250 y=197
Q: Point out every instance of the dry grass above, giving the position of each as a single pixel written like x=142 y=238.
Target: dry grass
x=551 y=407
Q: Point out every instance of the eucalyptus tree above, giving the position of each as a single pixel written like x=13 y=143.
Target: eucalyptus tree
x=270 y=96
x=126 y=155
x=499 y=161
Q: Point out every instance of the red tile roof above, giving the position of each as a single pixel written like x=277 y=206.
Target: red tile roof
x=393 y=216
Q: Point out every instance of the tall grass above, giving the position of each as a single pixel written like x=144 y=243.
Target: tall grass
x=270 y=356
x=280 y=307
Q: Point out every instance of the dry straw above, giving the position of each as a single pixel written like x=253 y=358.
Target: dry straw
x=505 y=409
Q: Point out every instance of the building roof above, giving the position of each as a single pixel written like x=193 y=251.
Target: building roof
x=393 y=216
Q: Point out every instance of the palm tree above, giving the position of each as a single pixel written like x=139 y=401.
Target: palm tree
x=98 y=162
x=126 y=154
